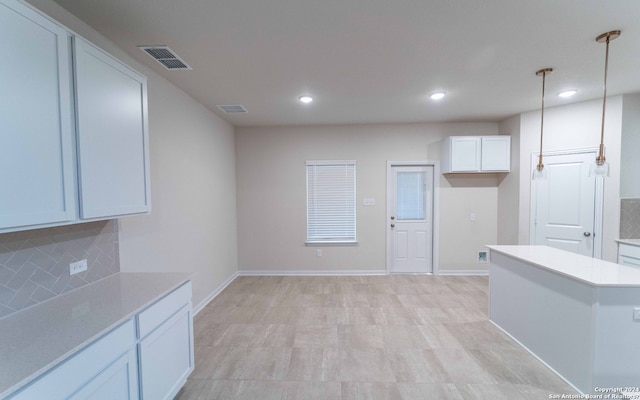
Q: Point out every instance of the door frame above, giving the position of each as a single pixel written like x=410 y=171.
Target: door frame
x=598 y=201
x=435 y=212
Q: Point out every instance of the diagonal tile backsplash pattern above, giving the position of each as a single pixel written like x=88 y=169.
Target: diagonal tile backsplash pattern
x=630 y=219
x=34 y=265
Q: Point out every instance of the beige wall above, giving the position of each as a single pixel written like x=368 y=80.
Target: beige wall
x=575 y=126
x=509 y=188
x=192 y=226
x=272 y=198
x=461 y=238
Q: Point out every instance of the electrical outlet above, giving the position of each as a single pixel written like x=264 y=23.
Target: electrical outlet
x=636 y=314
x=318 y=252
x=78 y=266
x=472 y=216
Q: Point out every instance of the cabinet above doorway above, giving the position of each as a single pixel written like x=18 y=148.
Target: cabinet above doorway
x=476 y=154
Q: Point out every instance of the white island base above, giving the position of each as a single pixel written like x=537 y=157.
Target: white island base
x=579 y=315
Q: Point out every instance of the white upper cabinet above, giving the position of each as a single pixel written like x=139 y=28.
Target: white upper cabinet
x=464 y=154
x=54 y=169
x=113 y=144
x=473 y=154
x=496 y=153
x=37 y=183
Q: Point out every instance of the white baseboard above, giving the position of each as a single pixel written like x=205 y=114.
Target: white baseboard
x=467 y=272
x=352 y=272
x=215 y=293
x=349 y=272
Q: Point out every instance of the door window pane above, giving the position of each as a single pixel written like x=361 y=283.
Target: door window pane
x=411 y=195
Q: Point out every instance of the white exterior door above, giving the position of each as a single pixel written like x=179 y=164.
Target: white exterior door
x=563 y=204
x=409 y=224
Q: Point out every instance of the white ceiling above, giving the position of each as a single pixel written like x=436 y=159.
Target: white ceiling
x=375 y=61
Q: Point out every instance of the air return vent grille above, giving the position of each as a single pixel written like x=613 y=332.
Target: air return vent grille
x=232 y=108
x=165 y=56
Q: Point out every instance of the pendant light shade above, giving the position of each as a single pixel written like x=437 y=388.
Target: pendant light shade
x=600 y=167
x=538 y=173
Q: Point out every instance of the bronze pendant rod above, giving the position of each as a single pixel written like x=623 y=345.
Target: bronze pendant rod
x=606 y=38
x=544 y=73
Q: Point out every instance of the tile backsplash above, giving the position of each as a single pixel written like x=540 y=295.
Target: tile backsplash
x=34 y=265
x=630 y=219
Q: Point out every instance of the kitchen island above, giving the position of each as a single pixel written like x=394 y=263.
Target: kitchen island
x=579 y=315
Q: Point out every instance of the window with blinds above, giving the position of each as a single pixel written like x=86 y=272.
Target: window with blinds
x=331 y=201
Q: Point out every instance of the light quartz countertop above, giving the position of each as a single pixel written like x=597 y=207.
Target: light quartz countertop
x=591 y=271
x=36 y=339
x=633 y=242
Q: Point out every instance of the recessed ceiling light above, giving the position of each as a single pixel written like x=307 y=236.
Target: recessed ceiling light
x=437 y=95
x=568 y=93
x=305 y=99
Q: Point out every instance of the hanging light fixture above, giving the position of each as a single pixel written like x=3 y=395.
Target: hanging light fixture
x=601 y=167
x=540 y=167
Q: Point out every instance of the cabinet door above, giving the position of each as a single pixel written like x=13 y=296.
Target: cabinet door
x=113 y=148
x=37 y=182
x=116 y=382
x=107 y=366
x=166 y=357
x=496 y=153
x=465 y=154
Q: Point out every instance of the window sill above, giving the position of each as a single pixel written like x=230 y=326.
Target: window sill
x=336 y=243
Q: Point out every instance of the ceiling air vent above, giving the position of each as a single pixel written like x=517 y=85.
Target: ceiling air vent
x=232 y=108
x=165 y=56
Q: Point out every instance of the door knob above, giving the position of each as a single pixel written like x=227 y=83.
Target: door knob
x=393 y=225
x=587 y=234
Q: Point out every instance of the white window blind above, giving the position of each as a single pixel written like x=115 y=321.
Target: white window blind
x=331 y=201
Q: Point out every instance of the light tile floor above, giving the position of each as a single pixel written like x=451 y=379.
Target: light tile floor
x=361 y=337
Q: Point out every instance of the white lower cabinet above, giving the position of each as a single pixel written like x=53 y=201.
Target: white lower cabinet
x=629 y=261
x=148 y=357
x=165 y=348
x=115 y=382
x=166 y=357
x=107 y=369
x=629 y=255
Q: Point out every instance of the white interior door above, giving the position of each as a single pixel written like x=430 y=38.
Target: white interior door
x=410 y=219
x=563 y=205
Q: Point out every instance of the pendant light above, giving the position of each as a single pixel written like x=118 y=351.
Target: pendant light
x=538 y=173
x=601 y=167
